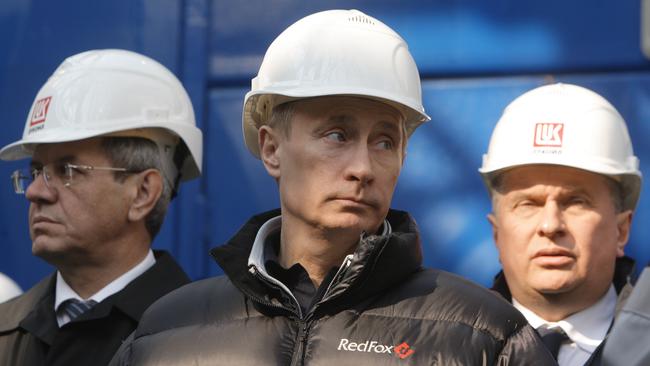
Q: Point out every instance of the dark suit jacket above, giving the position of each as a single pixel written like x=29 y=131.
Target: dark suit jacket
x=30 y=335
x=627 y=343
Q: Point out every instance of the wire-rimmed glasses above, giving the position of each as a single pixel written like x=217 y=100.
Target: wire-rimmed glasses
x=56 y=174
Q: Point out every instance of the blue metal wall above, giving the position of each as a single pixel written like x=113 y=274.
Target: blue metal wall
x=475 y=56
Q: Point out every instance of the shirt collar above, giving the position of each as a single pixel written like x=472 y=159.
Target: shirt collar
x=64 y=292
x=586 y=328
x=258 y=255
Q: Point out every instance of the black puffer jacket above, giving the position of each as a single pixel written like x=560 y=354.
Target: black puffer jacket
x=382 y=309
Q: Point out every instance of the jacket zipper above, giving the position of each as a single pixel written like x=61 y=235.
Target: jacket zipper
x=344 y=266
x=257 y=299
x=305 y=324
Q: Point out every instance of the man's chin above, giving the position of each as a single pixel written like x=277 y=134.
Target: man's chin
x=352 y=223
x=555 y=286
x=46 y=249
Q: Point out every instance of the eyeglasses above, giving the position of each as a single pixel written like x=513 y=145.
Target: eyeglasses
x=54 y=175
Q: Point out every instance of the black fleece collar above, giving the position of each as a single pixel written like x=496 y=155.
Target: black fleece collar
x=378 y=263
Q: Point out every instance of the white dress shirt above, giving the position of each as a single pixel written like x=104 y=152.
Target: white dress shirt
x=64 y=292
x=586 y=329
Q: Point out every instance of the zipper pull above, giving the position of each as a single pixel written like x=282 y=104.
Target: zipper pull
x=305 y=330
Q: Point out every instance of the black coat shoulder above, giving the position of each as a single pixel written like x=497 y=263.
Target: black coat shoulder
x=446 y=296
x=200 y=302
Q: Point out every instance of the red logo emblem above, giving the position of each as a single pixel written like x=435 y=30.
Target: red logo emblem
x=403 y=350
x=40 y=111
x=549 y=134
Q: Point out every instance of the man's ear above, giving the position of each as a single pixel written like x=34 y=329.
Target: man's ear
x=492 y=219
x=149 y=187
x=269 y=142
x=623 y=225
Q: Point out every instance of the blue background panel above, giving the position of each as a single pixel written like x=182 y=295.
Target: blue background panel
x=451 y=37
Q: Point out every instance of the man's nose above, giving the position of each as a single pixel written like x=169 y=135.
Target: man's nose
x=552 y=220
x=39 y=191
x=360 y=165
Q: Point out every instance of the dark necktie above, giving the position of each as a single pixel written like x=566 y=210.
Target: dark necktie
x=552 y=338
x=74 y=307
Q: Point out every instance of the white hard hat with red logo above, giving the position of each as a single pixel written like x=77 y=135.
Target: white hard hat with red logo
x=567 y=125
x=334 y=52
x=116 y=93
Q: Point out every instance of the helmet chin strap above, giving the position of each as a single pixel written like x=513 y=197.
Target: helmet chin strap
x=180 y=155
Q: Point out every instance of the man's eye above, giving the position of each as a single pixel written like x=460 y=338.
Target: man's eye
x=576 y=201
x=35 y=172
x=335 y=136
x=385 y=144
x=525 y=204
x=67 y=170
x=60 y=170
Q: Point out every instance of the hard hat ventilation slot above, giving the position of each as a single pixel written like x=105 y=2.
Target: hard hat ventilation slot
x=361 y=19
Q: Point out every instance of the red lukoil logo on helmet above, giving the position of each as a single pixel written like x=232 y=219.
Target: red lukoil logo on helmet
x=548 y=134
x=39 y=112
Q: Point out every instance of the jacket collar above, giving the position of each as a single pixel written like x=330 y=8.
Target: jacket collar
x=163 y=277
x=379 y=262
x=34 y=309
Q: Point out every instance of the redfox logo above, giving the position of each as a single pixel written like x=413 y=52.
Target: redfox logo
x=40 y=111
x=548 y=134
x=402 y=351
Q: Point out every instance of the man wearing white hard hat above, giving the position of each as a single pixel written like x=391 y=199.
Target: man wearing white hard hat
x=334 y=277
x=109 y=136
x=564 y=183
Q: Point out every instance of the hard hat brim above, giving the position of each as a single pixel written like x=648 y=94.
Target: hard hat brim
x=251 y=121
x=24 y=148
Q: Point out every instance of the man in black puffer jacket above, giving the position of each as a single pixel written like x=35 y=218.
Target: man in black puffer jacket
x=381 y=308
x=334 y=277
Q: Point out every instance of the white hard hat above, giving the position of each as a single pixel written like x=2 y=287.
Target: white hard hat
x=334 y=52
x=116 y=93
x=567 y=125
